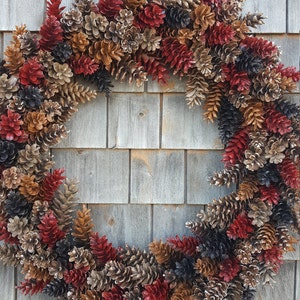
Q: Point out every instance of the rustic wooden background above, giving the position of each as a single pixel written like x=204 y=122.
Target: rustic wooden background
x=142 y=157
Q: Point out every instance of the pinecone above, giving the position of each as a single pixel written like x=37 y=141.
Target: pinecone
x=151 y=16
x=60 y=73
x=17 y=205
x=30 y=242
x=250 y=275
x=39 y=209
x=114 y=31
x=203 y=17
x=249 y=294
x=227 y=53
x=206 y=267
x=259 y=212
x=177 y=17
x=3 y=69
x=8 y=153
x=35 y=121
x=265 y=237
x=62 y=248
x=8 y=86
x=82 y=258
x=95 y=25
x=244 y=251
x=103 y=81
x=18 y=226
x=131 y=40
x=99 y=280
x=28 y=44
x=71 y=21
x=249 y=63
x=110 y=8
x=28 y=158
x=275 y=150
x=254 y=159
x=29 y=187
x=8 y=255
x=203 y=60
x=266 y=85
x=254 y=20
x=84 y=6
x=31 y=96
x=51 y=110
x=125 y=18
x=282 y=214
x=56 y=288
x=79 y=42
x=62 y=52
x=134 y=4
x=215 y=289
x=290 y=110
x=150 y=40
x=268 y=174
x=12 y=177
x=229 y=120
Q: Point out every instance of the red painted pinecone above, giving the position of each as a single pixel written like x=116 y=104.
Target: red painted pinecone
x=151 y=16
x=31 y=73
x=110 y=8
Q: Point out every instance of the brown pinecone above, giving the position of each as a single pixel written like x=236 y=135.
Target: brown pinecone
x=79 y=42
x=254 y=159
x=254 y=115
x=90 y=295
x=50 y=136
x=259 y=212
x=30 y=241
x=12 y=177
x=56 y=269
x=227 y=53
x=99 y=280
x=235 y=289
x=18 y=226
x=84 y=6
x=185 y=35
x=35 y=273
x=82 y=258
x=239 y=100
x=250 y=274
x=150 y=40
x=285 y=239
x=106 y=52
x=265 y=237
x=34 y=121
x=203 y=17
x=39 y=209
x=28 y=44
x=266 y=85
x=244 y=251
x=254 y=20
x=206 y=267
x=203 y=60
x=212 y=102
x=196 y=89
x=134 y=4
x=28 y=158
x=8 y=255
x=143 y=274
x=29 y=188
x=228 y=176
x=274 y=150
x=216 y=289
x=114 y=32
x=129 y=70
x=95 y=25
x=125 y=17
x=216 y=213
x=247 y=188
x=51 y=109
x=132 y=256
x=60 y=73
x=71 y=21
x=131 y=40
x=15 y=104
x=14 y=59
x=8 y=86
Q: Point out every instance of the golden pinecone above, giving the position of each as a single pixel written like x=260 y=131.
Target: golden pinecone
x=106 y=52
x=29 y=188
x=134 y=4
x=265 y=236
x=14 y=59
x=203 y=17
x=207 y=267
x=254 y=115
x=35 y=121
x=79 y=42
x=247 y=188
x=212 y=102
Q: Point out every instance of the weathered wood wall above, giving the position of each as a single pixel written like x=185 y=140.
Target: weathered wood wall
x=142 y=157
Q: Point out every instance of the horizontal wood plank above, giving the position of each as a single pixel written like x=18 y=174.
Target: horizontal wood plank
x=200 y=166
x=157 y=176
x=7 y=282
x=184 y=128
x=103 y=174
x=16 y=13
x=274 y=10
x=87 y=128
x=293 y=16
x=169 y=220
x=133 y=121
x=123 y=224
x=283 y=289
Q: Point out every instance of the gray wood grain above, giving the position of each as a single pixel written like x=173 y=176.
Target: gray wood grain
x=284 y=287
x=7 y=282
x=184 y=128
x=87 y=129
x=297 y=281
x=18 y=12
x=157 y=176
x=169 y=220
x=123 y=224
x=274 y=10
x=103 y=174
x=200 y=165
x=133 y=121
x=293 y=16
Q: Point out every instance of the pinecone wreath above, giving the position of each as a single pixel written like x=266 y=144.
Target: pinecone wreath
x=239 y=240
